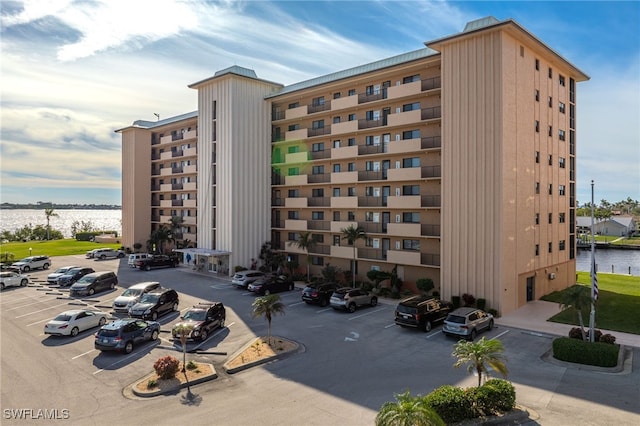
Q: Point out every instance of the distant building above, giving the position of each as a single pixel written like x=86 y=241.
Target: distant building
x=614 y=226
x=458 y=160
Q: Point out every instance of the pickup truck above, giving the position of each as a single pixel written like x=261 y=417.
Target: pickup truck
x=157 y=261
x=422 y=312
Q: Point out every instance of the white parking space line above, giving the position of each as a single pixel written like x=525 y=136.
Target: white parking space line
x=500 y=335
x=86 y=353
x=365 y=314
x=296 y=304
x=323 y=310
x=45 y=309
x=391 y=325
x=220 y=287
x=7 y=299
x=437 y=333
x=117 y=362
x=39 y=322
x=28 y=304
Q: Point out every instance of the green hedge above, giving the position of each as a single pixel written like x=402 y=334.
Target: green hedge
x=451 y=403
x=580 y=352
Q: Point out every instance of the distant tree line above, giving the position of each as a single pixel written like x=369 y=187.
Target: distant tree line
x=44 y=233
x=41 y=205
x=606 y=209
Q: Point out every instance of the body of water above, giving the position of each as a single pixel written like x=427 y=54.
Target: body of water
x=610 y=260
x=101 y=220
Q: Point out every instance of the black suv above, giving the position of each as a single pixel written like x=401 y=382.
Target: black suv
x=201 y=320
x=155 y=303
x=319 y=293
x=157 y=261
x=422 y=312
x=93 y=283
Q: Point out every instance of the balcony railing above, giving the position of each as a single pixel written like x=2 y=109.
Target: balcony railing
x=429 y=113
x=373 y=227
x=371 y=175
x=277 y=223
x=430 y=201
x=431 y=142
x=176 y=203
x=430 y=259
x=176 y=186
x=155 y=203
x=176 y=170
x=320 y=249
x=318 y=202
x=319 y=178
x=431 y=171
x=431 y=83
x=319 y=225
x=371 y=201
x=367 y=124
x=277 y=179
x=318 y=155
x=326 y=106
x=319 y=131
x=430 y=230
x=370 y=149
x=371 y=253
x=277 y=115
x=370 y=97
x=277 y=201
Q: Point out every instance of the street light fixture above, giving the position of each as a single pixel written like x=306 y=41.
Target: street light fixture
x=30 y=249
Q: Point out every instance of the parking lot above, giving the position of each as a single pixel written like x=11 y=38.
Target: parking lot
x=351 y=363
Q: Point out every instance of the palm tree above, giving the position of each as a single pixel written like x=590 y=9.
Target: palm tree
x=407 y=411
x=353 y=233
x=306 y=242
x=477 y=355
x=161 y=236
x=49 y=214
x=175 y=225
x=267 y=306
x=577 y=297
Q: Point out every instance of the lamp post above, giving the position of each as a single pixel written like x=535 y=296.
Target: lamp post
x=30 y=249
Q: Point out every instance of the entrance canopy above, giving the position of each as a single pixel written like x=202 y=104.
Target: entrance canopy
x=204 y=259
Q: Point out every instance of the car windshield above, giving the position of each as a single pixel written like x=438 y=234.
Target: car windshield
x=132 y=292
x=406 y=309
x=108 y=333
x=61 y=270
x=150 y=298
x=198 y=315
x=62 y=317
x=455 y=318
x=26 y=259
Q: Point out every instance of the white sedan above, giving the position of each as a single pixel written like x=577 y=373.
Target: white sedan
x=70 y=323
x=13 y=279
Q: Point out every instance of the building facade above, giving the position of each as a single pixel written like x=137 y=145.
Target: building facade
x=457 y=160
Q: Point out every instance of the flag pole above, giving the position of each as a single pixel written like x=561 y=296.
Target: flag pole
x=592 y=314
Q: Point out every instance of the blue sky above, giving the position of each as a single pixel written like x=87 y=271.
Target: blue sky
x=74 y=71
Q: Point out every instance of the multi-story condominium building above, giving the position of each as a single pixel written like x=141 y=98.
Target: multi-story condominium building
x=456 y=160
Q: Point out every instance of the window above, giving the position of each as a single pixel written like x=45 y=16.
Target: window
x=410 y=190
x=411 y=217
x=336 y=143
x=351 y=191
x=550 y=130
x=352 y=92
x=561 y=162
x=352 y=117
x=561 y=134
x=561 y=245
x=411 y=107
x=351 y=167
x=293 y=193
x=294 y=171
x=537 y=64
x=317 y=170
x=336 y=240
x=561 y=218
x=522 y=51
x=561 y=80
x=550 y=247
x=336 y=168
x=550 y=160
x=550 y=72
x=537 y=187
x=292 y=236
x=337 y=95
x=550 y=220
x=537 y=249
x=411 y=245
x=336 y=216
x=317 y=215
x=537 y=95
x=550 y=189
x=537 y=156
x=319 y=101
x=293 y=149
x=368 y=140
x=411 y=79
x=410 y=162
x=561 y=189
x=351 y=216
x=317 y=147
x=319 y=238
x=537 y=126
x=317 y=124
x=317 y=192
x=294 y=105
x=351 y=142
x=411 y=134
x=537 y=218
x=561 y=107
x=368 y=191
x=293 y=127
x=293 y=214
x=336 y=120
x=317 y=260
x=336 y=192
x=550 y=102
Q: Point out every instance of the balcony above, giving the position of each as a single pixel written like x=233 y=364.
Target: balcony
x=371 y=201
x=344 y=127
x=368 y=124
x=373 y=227
x=277 y=223
x=296 y=180
x=403 y=229
x=371 y=253
x=370 y=97
x=431 y=113
x=370 y=149
x=430 y=259
x=344 y=152
x=296 y=157
x=325 y=106
x=338 y=226
x=404 y=257
x=430 y=84
x=319 y=178
x=404 y=118
x=295 y=203
x=430 y=201
x=277 y=202
x=319 y=155
x=431 y=172
x=344 y=252
x=277 y=115
x=344 y=177
x=277 y=179
x=366 y=175
x=189 y=203
x=404 y=90
x=191 y=152
x=295 y=135
x=404 y=146
x=344 y=202
x=318 y=201
x=190 y=186
x=319 y=225
x=429 y=142
x=405 y=174
x=191 y=134
x=344 y=102
x=187 y=220
x=320 y=249
x=295 y=224
x=427 y=230
x=297 y=112
x=404 y=202
x=319 y=131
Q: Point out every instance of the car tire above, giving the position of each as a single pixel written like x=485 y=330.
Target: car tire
x=92 y=292
x=1 y=286
x=427 y=326
x=128 y=347
x=221 y=324
x=203 y=335
x=112 y=286
x=154 y=335
x=267 y=292
x=374 y=301
x=352 y=307
x=175 y=307
x=324 y=302
x=490 y=326
x=291 y=287
x=26 y=269
x=120 y=255
x=74 y=331
x=103 y=257
x=102 y=322
x=154 y=316
x=147 y=268
x=473 y=334
x=45 y=266
x=24 y=282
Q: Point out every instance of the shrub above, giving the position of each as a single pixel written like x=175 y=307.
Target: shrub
x=166 y=367
x=239 y=268
x=481 y=304
x=468 y=299
x=384 y=291
x=191 y=365
x=455 y=300
x=493 y=312
x=152 y=383
x=575 y=333
x=425 y=285
x=502 y=395
x=580 y=352
x=451 y=403
x=608 y=339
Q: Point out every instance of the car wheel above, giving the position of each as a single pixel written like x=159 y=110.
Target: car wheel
x=147 y=268
x=352 y=307
x=120 y=255
x=26 y=269
x=24 y=282
x=374 y=301
x=74 y=331
x=102 y=322
x=92 y=292
x=154 y=316
x=490 y=326
x=204 y=335
x=427 y=326
x=154 y=335
x=175 y=307
x=128 y=347
x=472 y=336
x=45 y=266
x=103 y=257
x=291 y=287
x=267 y=292
x=1 y=286
x=112 y=286
x=324 y=302
x=221 y=325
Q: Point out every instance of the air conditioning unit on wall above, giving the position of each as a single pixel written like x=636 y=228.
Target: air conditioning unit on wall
x=552 y=276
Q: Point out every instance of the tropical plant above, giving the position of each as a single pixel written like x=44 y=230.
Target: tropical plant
x=158 y=238
x=478 y=355
x=272 y=260
x=425 y=285
x=267 y=307
x=330 y=273
x=305 y=242
x=353 y=233
x=175 y=226
x=166 y=367
x=577 y=297
x=49 y=213
x=407 y=411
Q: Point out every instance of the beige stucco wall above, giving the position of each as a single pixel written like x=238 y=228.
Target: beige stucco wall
x=136 y=177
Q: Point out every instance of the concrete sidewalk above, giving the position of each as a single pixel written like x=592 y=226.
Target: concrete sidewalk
x=534 y=315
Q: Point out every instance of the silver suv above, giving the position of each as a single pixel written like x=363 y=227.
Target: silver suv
x=108 y=254
x=243 y=278
x=467 y=322
x=32 y=262
x=351 y=298
x=132 y=295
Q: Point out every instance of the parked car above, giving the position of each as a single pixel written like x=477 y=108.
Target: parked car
x=134 y=257
x=13 y=279
x=467 y=322
x=32 y=262
x=319 y=293
x=421 y=312
x=91 y=254
x=351 y=298
x=52 y=278
x=157 y=261
x=108 y=254
x=273 y=284
x=70 y=323
x=122 y=335
x=132 y=295
x=155 y=303
x=242 y=279
x=93 y=283
x=72 y=276
x=203 y=318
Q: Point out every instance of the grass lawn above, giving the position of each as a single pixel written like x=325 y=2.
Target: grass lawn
x=51 y=248
x=618 y=306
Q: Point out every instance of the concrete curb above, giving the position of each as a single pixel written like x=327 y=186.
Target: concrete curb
x=232 y=370
x=132 y=387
